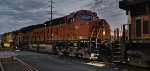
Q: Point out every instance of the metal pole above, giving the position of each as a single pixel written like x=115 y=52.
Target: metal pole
x=130 y=34
x=123 y=36
x=51 y=18
x=117 y=34
x=44 y=34
x=96 y=42
x=90 y=44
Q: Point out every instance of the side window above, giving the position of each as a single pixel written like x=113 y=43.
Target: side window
x=145 y=27
x=138 y=28
x=71 y=20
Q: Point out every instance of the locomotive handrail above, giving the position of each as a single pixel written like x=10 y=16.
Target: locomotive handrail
x=92 y=31
x=99 y=29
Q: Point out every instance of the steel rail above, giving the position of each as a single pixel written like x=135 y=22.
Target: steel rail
x=26 y=65
x=2 y=69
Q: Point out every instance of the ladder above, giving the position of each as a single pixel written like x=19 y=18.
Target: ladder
x=93 y=42
x=94 y=39
x=118 y=53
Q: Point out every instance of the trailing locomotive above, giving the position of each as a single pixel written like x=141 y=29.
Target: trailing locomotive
x=136 y=43
x=7 y=40
x=77 y=34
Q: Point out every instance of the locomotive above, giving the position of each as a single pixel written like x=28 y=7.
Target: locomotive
x=83 y=34
x=77 y=34
x=7 y=40
x=136 y=43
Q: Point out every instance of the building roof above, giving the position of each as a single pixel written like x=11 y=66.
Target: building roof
x=127 y=3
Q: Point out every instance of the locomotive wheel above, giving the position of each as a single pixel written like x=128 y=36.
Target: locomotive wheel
x=79 y=55
x=72 y=53
x=137 y=61
x=54 y=49
x=86 y=55
x=60 y=51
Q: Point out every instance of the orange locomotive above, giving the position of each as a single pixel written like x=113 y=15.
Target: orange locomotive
x=137 y=43
x=7 y=40
x=77 y=34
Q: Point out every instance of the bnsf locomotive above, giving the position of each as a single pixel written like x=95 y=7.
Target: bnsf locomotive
x=136 y=49
x=83 y=34
x=77 y=34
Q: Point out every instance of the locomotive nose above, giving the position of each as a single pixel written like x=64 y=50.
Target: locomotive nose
x=100 y=29
x=98 y=23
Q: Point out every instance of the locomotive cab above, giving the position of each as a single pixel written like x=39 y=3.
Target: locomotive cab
x=92 y=31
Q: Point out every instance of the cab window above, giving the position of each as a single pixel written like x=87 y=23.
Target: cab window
x=86 y=17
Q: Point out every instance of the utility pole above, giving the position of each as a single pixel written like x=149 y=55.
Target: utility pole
x=51 y=15
x=51 y=11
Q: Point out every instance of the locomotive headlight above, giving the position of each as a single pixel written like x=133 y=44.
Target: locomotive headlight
x=92 y=54
x=128 y=59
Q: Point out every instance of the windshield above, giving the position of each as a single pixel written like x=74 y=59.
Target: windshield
x=86 y=17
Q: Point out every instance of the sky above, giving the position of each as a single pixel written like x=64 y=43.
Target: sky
x=15 y=14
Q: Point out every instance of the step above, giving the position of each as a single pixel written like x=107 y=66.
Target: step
x=116 y=52
x=118 y=48
x=119 y=44
x=116 y=56
x=116 y=61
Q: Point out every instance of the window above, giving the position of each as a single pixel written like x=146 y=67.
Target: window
x=86 y=17
x=145 y=27
x=71 y=20
x=138 y=28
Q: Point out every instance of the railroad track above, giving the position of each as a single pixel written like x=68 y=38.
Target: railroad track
x=1 y=67
x=14 y=64
x=105 y=65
